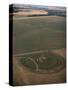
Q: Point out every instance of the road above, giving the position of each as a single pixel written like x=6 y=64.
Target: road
x=28 y=53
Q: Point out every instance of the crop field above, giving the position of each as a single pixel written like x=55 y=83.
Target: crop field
x=39 y=50
x=38 y=33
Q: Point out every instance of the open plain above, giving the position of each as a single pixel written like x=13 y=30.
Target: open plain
x=32 y=37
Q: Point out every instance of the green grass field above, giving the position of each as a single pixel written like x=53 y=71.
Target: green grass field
x=38 y=33
x=39 y=50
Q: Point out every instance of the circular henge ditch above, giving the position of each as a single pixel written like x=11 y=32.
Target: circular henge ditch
x=47 y=62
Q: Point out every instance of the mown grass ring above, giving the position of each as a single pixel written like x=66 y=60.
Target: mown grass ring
x=47 y=62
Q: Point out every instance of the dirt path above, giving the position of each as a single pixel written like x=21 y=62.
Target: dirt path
x=19 y=74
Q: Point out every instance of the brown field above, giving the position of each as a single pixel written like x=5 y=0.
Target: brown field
x=23 y=76
x=32 y=12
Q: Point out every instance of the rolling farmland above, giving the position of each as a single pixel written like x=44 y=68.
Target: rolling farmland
x=39 y=50
x=38 y=33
